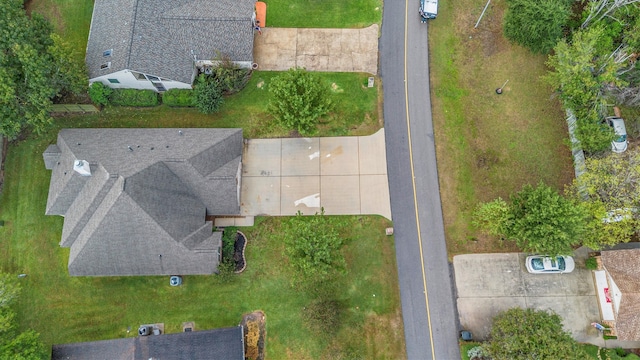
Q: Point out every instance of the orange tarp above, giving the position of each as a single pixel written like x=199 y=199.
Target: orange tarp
x=261 y=13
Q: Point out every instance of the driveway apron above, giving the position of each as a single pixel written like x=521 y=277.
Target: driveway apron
x=345 y=175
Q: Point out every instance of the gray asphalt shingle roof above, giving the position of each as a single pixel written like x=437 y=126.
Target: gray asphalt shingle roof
x=142 y=211
x=161 y=38
x=216 y=344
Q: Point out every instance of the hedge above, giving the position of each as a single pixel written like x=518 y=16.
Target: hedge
x=178 y=98
x=133 y=97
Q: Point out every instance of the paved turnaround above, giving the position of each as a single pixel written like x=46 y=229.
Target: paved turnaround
x=426 y=286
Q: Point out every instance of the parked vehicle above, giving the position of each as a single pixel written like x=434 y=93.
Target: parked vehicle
x=428 y=10
x=620 y=143
x=542 y=264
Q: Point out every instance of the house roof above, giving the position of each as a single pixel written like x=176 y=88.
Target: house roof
x=142 y=209
x=161 y=38
x=217 y=344
x=622 y=266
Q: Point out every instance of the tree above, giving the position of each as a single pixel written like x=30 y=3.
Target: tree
x=539 y=220
x=611 y=184
x=34 y=67
x=299 y=99
x=207 y=94
x=13 y=344
x=313 y=246
x=531 y=334
x=582 y=72
x=537 y=25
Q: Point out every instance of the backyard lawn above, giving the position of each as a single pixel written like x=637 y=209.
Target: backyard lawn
x=489 y=145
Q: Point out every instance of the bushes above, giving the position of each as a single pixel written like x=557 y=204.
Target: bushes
x=133 y=97
x=298 y=100
x=99 y=93
x=178 y=98
x=207 y=95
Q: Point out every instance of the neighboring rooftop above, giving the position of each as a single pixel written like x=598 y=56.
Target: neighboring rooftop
x=622 y=267
x=162 y=38
x=217 y=344
x=135 y=200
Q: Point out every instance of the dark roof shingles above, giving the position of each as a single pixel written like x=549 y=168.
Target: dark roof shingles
x=166 y=35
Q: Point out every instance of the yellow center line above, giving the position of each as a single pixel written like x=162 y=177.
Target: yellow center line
x=413 y=179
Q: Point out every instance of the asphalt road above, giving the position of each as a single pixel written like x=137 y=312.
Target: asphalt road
x=426 y=284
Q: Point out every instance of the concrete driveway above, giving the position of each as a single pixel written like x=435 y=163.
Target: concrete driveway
x=488 y=284
x=345 y=175
x=340 y=50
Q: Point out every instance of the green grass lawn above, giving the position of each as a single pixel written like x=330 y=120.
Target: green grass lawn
x=323 y=14
x=355 y=113
x=489 y=145
x=70 y=309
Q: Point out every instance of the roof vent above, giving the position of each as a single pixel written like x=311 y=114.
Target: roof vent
x=82 y=167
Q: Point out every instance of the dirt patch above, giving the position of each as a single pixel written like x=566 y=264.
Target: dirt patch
x=255 y=333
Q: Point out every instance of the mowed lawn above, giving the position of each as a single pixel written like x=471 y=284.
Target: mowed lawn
x=323 y=14
x=489 y=145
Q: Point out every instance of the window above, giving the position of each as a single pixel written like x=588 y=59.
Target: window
x=139 y=76
x=105 y=65
x=153 y=78
x=107 y=52
x=114 y=81
x=159 y=86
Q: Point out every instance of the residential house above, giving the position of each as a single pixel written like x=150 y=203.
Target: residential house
x=135 y=201
x=217 y=344
x=157 y=44
x=618 y=289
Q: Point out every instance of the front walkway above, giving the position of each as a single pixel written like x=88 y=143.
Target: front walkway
x=345 y=175
x=338 y=50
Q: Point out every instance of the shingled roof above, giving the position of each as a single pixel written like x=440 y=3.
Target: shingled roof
x=135 y=200
x=622 y=267
x=161 y=38
x=217 y=344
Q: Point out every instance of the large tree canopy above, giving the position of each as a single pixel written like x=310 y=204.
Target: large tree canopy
x=35 y=66
x=531 y=334
x=536 y=24
x=611 y=185
x=582 y=71
x=539 y=219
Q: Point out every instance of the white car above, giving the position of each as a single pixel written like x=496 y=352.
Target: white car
x=542 y=264
x=620 y=143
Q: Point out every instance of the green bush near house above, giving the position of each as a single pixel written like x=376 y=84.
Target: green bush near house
x=99 y=93
x=591 y=263
x=133 y=97
x=178 y=98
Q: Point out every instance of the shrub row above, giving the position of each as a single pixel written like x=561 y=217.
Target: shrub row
x=133 y=97
x=178 y=98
